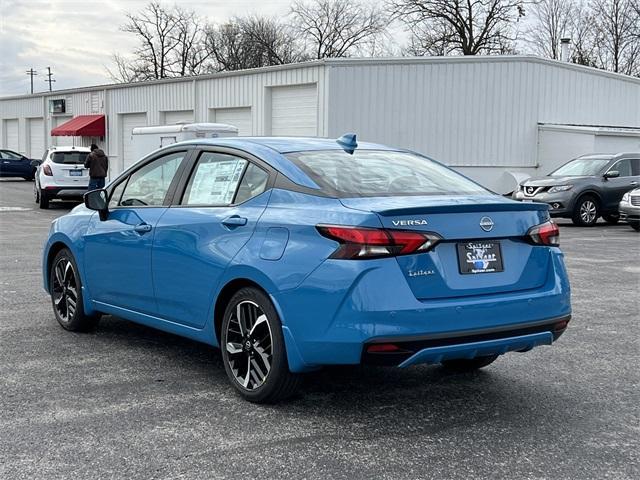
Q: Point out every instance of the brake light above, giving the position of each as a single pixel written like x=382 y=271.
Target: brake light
x=545 y=234
x=360 y=243
x=47 y=170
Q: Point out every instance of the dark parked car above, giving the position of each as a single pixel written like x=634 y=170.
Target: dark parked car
x=585 y=188
x=12 y=164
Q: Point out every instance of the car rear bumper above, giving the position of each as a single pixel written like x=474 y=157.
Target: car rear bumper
x=65 y=192
x=336 y=313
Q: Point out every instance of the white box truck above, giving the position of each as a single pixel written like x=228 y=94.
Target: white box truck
x=147 y=139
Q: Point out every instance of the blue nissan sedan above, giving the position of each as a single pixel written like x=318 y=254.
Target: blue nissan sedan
x=294 y=253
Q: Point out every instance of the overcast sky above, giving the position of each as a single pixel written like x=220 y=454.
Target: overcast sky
x=77 y=38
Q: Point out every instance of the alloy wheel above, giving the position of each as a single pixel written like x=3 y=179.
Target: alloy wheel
x=249 y=345
x=65 y=290
x=588 y=211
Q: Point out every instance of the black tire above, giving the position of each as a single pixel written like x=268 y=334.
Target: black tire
x=66 y=294
x=36 y=194
x=586 y=211
x=251 y=344
x=635 y=226
x=468 y=365
x=611 y=218
x=43 y=199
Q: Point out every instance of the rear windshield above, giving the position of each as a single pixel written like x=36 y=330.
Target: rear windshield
x=371 y=173
x=69 y=157
x=581 y=167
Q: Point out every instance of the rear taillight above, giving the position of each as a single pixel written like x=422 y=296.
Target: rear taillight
x=47 y=170
x=360 y=243
x=544 y=234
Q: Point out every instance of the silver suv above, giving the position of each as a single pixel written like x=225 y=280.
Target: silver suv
x=585 y=188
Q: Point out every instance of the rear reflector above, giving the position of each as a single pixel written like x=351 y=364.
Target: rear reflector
x=360 y=243
x=544 y=234
x=383 y=348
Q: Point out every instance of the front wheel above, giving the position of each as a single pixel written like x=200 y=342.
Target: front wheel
x=66 y=294
x=635 y=226
x=586 y=211
x=611 y=218
x=468 y=364
x=253 y=349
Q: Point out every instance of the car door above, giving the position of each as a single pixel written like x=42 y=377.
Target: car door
x=224 y=196
x=11 y=163
x=118 y=249
x=615 y=188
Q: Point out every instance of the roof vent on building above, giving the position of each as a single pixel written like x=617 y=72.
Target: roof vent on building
x=565 y=43
x=348 y=142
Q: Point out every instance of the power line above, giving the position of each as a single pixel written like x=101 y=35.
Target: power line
x=31 y=72
x=49 y=79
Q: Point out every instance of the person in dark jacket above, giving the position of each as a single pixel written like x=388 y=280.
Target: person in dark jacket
x=98 y=165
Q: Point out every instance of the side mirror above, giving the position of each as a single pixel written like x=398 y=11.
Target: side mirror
x=99 y=201
x=612 y=174
x=35 y=163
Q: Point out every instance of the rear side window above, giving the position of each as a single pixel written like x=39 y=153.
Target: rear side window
x=369 y=173
x=73 y=158
x=214 y=180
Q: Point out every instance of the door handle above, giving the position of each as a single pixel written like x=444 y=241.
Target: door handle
x=142 y=228
x=234 y=221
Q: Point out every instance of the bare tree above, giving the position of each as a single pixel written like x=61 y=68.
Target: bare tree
x=189 y=37
x=251 y=42
x=617 y=24
x=468 y=27
x=552 y=21
x=337 y=28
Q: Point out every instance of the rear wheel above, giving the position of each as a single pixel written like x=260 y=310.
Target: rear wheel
x=611 y=218
x=43 y=199
x=253 y=349
x=586 y=211
x=468 y=364
x=66 y=294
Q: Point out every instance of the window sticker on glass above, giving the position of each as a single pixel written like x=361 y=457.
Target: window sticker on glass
x=214 y=181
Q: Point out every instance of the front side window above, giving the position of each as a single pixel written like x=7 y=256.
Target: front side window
x=369 y=173
x=116 y=194
x=149 y=185
x=214 y=179
x=623 y=167
x=581 y=167
x=10 y=155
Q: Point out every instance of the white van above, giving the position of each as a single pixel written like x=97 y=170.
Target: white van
x=147 y=139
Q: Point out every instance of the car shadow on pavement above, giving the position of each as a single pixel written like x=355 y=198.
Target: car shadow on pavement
x=368 y=400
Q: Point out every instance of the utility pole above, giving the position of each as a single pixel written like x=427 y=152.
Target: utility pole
x=31 y=72
x=49 y=79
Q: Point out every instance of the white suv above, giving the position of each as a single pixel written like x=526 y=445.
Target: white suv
x=61 y=174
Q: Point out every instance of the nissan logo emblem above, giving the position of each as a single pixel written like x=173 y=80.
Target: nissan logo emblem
x=486 y=224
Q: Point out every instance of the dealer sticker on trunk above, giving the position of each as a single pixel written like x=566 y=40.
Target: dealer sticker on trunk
x=479 y=257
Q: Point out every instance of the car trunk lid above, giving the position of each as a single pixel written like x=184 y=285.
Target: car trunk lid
x=437 y=274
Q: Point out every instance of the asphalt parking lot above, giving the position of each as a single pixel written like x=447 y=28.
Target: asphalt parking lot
x=130 y=402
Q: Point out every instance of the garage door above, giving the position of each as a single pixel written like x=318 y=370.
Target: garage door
x=182 y=116
x=128 y=122
x=12 y=135
x=36 y=137
x=238 y=117
x=294 y=110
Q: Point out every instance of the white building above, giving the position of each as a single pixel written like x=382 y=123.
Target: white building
x=486 y=116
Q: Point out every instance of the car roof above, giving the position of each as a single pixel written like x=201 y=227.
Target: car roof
x=609 y=156
x=70 y=148
x=287 y=144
